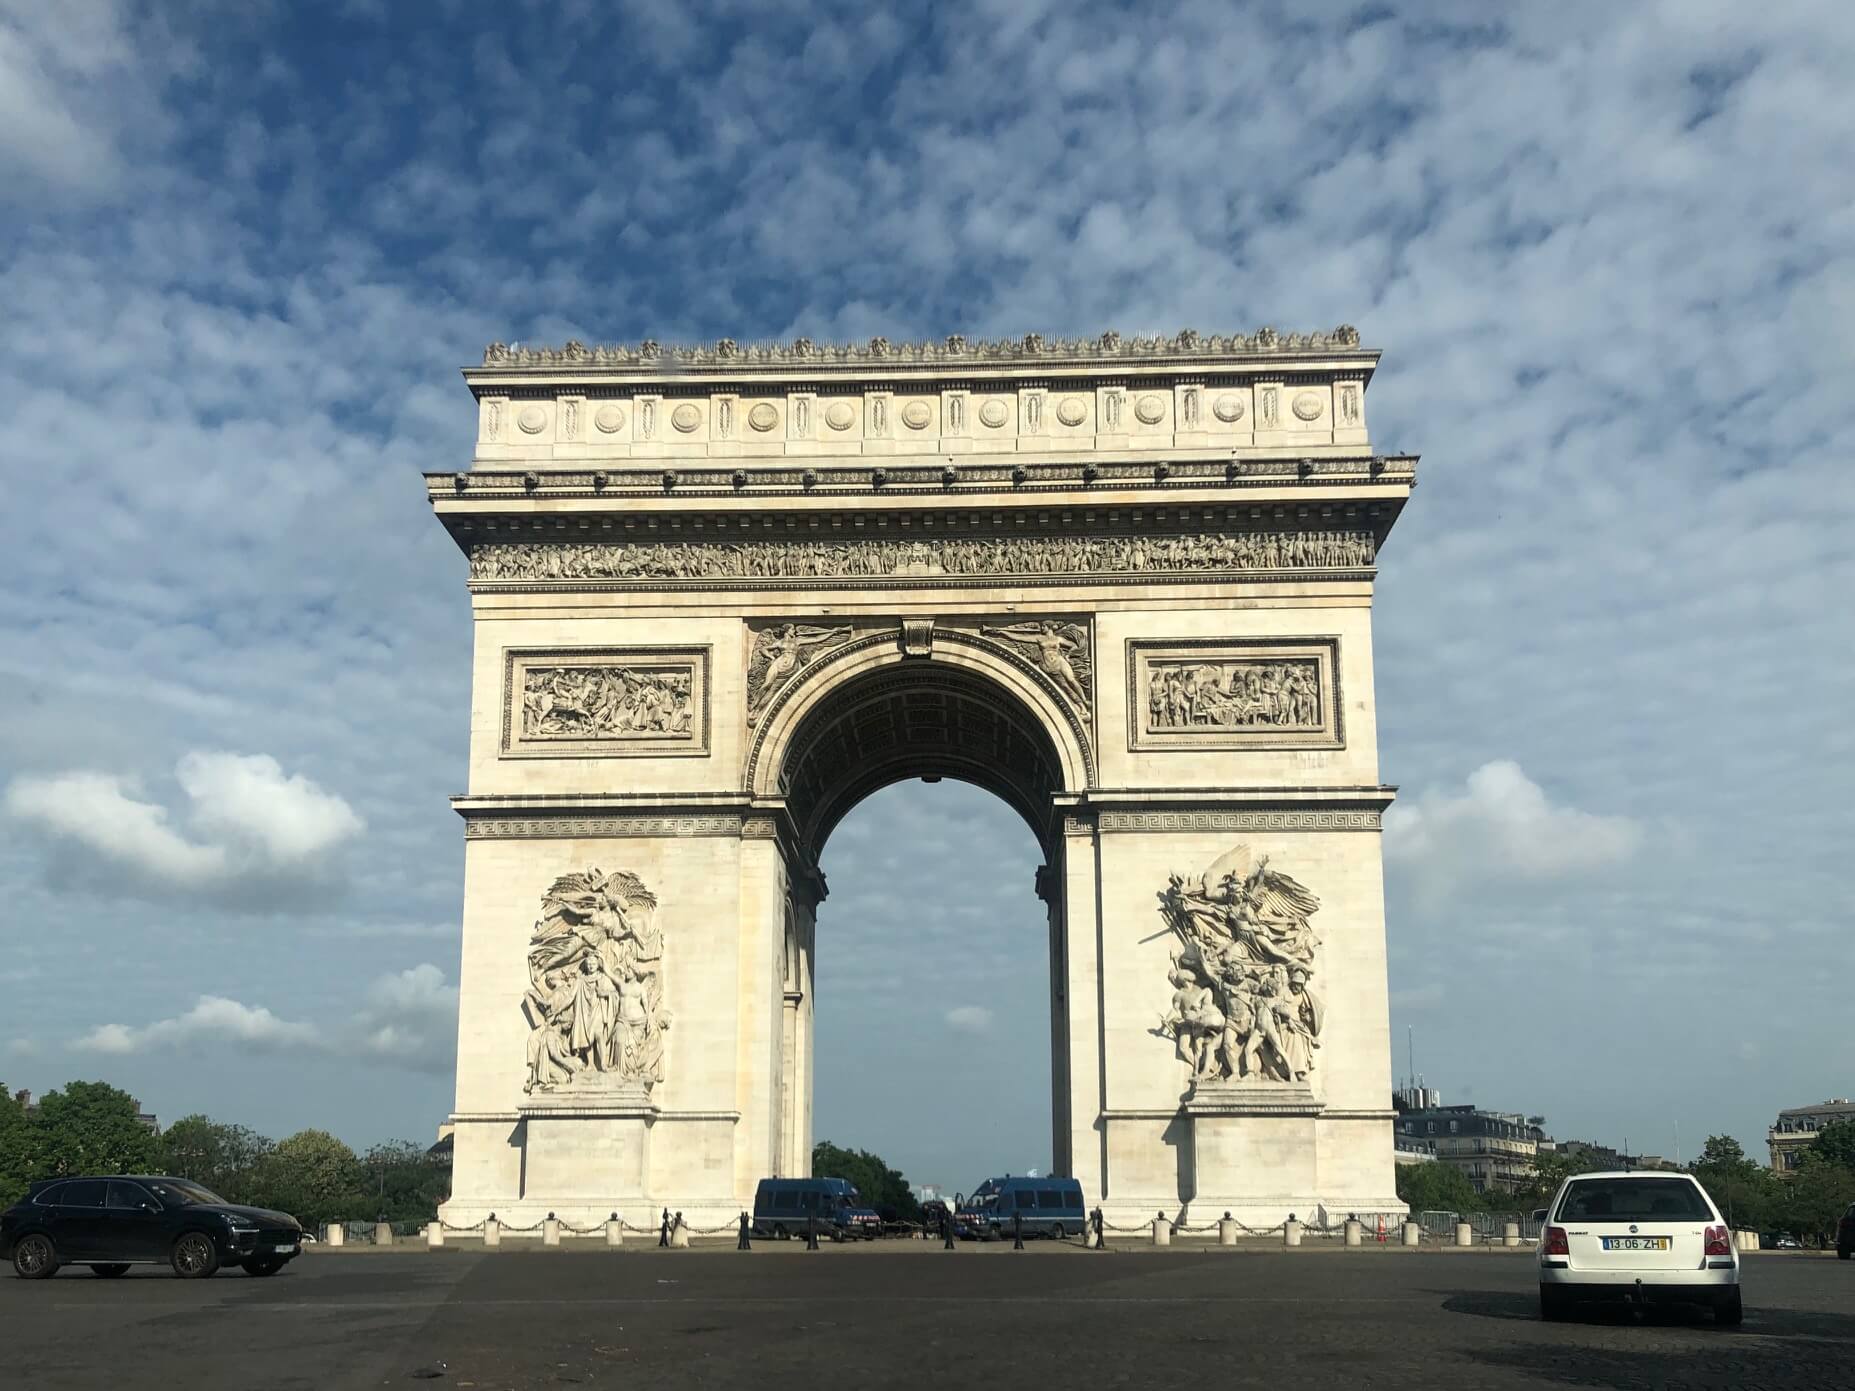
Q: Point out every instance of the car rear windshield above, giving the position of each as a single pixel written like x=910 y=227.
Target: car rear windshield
x=1632 y=1200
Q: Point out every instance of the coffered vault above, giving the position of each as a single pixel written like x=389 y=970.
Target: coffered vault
x=722 y=594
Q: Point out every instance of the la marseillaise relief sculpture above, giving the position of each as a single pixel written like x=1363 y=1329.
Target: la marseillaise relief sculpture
x=722 y=594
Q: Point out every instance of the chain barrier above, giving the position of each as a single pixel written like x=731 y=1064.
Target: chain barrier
x=464 y=1231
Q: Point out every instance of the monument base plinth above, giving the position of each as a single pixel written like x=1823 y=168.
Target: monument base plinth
x=1253 y=1145
x=591 y=1143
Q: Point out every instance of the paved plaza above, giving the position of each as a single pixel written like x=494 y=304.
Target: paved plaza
x=914 y=1316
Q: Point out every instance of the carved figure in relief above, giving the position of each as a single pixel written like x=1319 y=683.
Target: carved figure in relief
x=595 y=998
x=1245 y=960
x=1233 y=695
x=779 y=652
x=955 y=555
x=1060 y=647
x=607 y=703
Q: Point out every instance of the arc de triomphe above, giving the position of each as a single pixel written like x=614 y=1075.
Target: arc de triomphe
x=722 y=594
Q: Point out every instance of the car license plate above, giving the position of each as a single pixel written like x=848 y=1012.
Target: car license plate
x=1635 y=1243
x=283 y=1250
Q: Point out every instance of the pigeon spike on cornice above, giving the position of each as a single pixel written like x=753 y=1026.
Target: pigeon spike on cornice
x=1032 y=347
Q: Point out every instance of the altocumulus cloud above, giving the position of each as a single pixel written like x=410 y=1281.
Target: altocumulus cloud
x=406 y=1017
x=248 y=824
x=1499 y=825
x=970 y=1019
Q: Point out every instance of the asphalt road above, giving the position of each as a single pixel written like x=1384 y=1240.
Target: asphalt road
x=905 y=1316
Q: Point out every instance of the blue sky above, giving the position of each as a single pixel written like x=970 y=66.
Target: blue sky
x=1607 y=252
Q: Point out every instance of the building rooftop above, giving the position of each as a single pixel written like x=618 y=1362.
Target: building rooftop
x=1840 y=1103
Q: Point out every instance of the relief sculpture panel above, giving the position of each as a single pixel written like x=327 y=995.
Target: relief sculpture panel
x=1234 y=693
x=605 y=702
x=1243 y=1009
x=595 y=987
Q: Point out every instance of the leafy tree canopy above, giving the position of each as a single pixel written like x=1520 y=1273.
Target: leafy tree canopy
x=223 y=1157
x=1834 y=1144
x=882 y=1188
x=19 y=1150
x=91 y=1128
x=1434 y=1186
x=314 y=1177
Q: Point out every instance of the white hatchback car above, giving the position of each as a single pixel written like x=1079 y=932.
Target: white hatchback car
x=1642 y=1237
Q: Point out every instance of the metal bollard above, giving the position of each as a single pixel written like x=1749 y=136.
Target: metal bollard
x=811 y=1232
x=492 y=1233
x=1017 y=1231
x=1465 y=1234
x=1510 y=1234
x=1413 y=1234
x=550 y=1230
x=1355 y=1232
x=1162 y=1230
x=614 y=1231
x=746 y=1242
x=1291 y=1231
x=1099 y=1228
x=679 y=1233
x=383 y=1233
x=434 y=1235
x=663 y=1229
x=338 y=1234
x=1227 y=1231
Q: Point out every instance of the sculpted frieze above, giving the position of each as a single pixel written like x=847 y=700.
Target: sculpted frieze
x=806 y=559
x=605 y=702
x=594 y=1002
x=1243 y=1008
x=1233 y=693
x=1059 y=649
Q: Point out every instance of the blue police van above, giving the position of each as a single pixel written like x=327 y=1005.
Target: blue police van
x=1039 y=1207
x=785 y=1207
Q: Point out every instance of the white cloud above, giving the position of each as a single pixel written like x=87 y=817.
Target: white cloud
x=290 y=819
x=1500 y=825
x=970 y=1019
x=410 y=1017
x=406 y=1017
x=251 y=825
x=213 y=1020
x=103 y=813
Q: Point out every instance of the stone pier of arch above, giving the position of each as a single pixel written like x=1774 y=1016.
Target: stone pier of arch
x=722 y=595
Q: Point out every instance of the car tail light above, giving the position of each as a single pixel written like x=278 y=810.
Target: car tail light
x=1717 y=1243
x=1556 y=1244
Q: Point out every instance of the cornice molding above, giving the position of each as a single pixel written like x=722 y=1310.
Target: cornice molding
x=1032 y=350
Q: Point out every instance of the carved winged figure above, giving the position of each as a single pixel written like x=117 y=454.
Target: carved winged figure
x=1060 y=648
x=778 y=652
x=1245 y=961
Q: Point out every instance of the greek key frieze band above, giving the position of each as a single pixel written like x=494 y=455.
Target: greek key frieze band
x=507 y=827
x=1257 y=820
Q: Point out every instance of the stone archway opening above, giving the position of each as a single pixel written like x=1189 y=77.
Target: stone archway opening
x=927 y=721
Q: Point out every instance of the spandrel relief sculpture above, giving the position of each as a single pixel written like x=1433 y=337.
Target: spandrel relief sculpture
x=1217 y=696
x=595 y=995
x=1242 y=1007
x=608 y=702
x=871 y=559
x=1059 y=650
x=778 y=654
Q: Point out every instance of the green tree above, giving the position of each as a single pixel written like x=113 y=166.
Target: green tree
x=1740 y=1188
x=404 y=1182
x=1834 y=1144
x=1434 y=1186
x=315 y=1178
x=882 y=1187
x=1811 y=1199
x=223 y=1157
x=20 y=1160
x=92 y=1128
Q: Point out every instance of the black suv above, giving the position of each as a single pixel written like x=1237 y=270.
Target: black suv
x=110 y=1224
x=1845 y=1234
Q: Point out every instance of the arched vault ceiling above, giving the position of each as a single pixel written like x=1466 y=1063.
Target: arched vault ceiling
x=921 y=720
